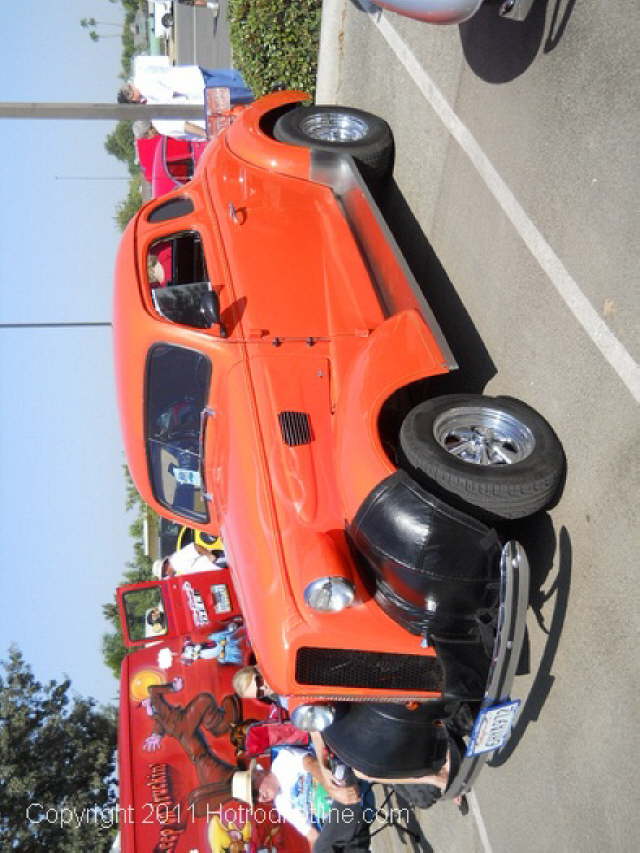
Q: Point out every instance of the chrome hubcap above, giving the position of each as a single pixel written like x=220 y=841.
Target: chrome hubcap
x=483 y=436
x=334 y=127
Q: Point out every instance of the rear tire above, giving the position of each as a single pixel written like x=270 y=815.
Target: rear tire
x=495 y=454
x=366 y=137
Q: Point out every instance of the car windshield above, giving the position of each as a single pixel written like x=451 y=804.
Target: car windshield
x=177 y=389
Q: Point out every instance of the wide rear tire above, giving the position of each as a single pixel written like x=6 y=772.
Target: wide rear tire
x=366 y=137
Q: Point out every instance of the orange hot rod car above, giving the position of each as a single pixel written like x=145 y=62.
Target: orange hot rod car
x=271 y=388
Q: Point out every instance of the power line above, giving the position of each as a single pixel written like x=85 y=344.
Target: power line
x=92 y=177
x=52 y=325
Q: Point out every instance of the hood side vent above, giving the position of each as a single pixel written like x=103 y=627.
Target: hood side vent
x=295 y=428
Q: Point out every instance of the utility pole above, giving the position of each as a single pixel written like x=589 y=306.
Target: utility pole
x=117 y=112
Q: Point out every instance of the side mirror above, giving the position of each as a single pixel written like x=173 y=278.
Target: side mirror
x=189 y=304
x=210 y=309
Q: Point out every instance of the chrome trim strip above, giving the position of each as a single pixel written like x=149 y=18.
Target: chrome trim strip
x=514 y=600
x=397 y=700
x=515 y=10
x=395 y=285
x=207 y=412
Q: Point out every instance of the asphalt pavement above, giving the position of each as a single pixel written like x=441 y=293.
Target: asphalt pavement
x=516 y=194
x=200 y=37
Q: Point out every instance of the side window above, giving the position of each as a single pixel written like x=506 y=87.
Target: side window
x=145 y=614
x=179 y=282
x=176 y=393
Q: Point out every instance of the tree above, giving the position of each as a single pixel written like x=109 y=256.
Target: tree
x=134 y=498
x=57 y=754
x=138 y=570
x=86 y=23
x=114 y=650
x=120 y=143
x=129 y=205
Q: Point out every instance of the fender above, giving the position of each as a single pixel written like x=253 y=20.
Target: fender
x=247 y=140
x=400 y=351
x=434 y=11
x=434 y=567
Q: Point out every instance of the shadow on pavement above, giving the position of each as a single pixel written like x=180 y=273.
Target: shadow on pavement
x=538 y=539
x=476 y=367
x=498 y=49
x=406 y=824
x=558 y=23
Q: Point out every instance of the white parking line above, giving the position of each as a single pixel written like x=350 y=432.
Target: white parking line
x=599 y=333
x=477 y=816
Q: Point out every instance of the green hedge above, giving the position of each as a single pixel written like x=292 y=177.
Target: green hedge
x=276 y=42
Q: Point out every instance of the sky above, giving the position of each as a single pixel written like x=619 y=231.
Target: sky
x=63 y=526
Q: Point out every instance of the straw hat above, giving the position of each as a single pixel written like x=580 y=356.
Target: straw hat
x=241 y=784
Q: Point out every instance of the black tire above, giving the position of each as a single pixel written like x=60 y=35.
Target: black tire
x=529 y=482
x=167 y=20
x=372 y=150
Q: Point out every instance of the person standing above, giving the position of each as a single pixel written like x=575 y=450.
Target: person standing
x=156 y=81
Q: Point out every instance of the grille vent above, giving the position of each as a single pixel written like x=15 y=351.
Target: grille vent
x=295 y=428
x=376 y=670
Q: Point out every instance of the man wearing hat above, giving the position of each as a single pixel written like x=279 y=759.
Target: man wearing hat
x=185 y=561
x=330 y=816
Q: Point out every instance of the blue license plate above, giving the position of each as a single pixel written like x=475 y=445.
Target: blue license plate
x=492 y=727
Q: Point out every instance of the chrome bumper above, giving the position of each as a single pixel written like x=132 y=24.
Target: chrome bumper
x=514 y=599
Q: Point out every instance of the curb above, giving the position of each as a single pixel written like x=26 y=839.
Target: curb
x=330 y=53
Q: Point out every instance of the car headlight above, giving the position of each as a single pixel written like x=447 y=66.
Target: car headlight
x=329 y=595
x=312 y=718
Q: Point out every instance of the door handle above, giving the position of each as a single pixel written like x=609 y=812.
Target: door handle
x=237 y=215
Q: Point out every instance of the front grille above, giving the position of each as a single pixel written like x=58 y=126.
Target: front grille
x=295 y=428
x=375 y=670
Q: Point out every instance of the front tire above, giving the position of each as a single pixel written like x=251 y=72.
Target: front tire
x=495 y=454
x=366 y=137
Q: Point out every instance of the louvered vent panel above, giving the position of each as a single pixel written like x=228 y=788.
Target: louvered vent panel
x=295 y=428
x=376 y=670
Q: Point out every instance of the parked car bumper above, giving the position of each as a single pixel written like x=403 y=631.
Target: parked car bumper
x=514 y=598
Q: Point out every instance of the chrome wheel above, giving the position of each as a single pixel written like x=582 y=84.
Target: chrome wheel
x=483 y=436
x=335 y=127
x=493 y=454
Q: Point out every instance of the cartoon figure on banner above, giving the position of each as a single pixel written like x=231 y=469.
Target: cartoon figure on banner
x=227 y=837
x=185 y=724
x=229 y=834
x=222 y=646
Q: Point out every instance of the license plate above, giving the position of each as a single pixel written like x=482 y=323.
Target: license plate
x=492 y=727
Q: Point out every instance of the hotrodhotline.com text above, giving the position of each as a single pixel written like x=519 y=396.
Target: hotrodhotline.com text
x=175 y=816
